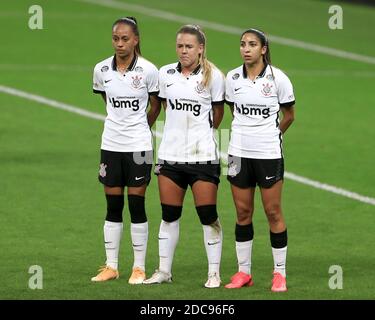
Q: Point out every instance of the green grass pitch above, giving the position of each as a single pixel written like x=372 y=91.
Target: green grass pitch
x=52 y=208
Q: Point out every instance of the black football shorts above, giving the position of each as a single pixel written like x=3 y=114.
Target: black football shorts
x=247 y=172
x=120 y=169
x=184 y=174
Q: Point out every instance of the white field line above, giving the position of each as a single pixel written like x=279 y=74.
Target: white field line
x=44 y=67
x=292 y=72
x=230 y=29
x=78 y=68
x=51 y=103
x=97 y=116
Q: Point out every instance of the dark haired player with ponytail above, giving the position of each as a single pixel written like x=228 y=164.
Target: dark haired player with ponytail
x=127 y=83
x=256 y=93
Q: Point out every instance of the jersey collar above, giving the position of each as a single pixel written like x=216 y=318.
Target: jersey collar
x=130 y=67
x=260 y=75
x=194 y=72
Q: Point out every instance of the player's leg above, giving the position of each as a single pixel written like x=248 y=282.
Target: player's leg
x=244 y=233
x=138 y=232
x=172 y=190
x=271 y=190
x=205 y=198
x=110 y=177
x=243 y=182
x=138 y=174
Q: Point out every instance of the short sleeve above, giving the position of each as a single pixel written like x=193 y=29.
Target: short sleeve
x=153 y=81
x=97 y=85
x=162 y=93
x=285 y=91
x=229 y=95
x=217 y=87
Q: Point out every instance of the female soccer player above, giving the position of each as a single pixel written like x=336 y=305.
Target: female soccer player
x=192 y=91
x=126 y=82
x=256 y=92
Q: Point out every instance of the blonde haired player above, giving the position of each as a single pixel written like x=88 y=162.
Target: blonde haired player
x=192 y=91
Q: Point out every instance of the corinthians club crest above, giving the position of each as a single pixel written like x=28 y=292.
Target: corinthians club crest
x=136 y=82
x=102 y=171
x=232 y=170
x=157 y=169
x=267 y=89
x=199 y=88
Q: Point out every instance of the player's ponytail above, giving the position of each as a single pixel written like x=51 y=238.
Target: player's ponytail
x=206 y=65
x=132 y=22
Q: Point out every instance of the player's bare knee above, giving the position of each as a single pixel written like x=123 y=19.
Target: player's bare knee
x=244 y=214
x=274 y=214
x=244 y=220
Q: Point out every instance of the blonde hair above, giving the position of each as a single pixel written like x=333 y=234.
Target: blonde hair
x=206 y=65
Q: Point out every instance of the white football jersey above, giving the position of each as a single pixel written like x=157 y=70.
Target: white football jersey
x=255 y=127
x=126 y=128
x=188 y=134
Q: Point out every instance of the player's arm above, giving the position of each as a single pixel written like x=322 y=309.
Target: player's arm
x=162 y=93
x=98 y=87
x=164 y=103
x=231 y=106
x=288 y=117
x=104 y=96
x=286 y=101
x=217 y=114
x=154 y=110
x=229 y=94
x=217 y=90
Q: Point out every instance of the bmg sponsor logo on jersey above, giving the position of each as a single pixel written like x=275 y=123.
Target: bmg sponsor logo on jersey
x=186 y=105
x=253 y=110
x=121 y=103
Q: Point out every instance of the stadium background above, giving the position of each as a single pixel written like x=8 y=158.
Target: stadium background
x=52 y=207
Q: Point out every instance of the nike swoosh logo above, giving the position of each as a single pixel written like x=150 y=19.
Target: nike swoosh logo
x=107 y=241
x=105 y=81
x=269 y=178
x=138 y=178
x=137 y=245
x=212 y=243
x=168 y=85
x=279 y=265
x=162 y=238
x=236 y=89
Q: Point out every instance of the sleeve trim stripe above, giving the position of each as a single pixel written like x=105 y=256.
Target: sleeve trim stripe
x=287 y=104
x=153 y=93
x=217 y=102
x=97 y=91
x=230 y=103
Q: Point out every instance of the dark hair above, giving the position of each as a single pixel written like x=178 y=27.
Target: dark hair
x=132 y=22
x=206 y=65
x=264 y=42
